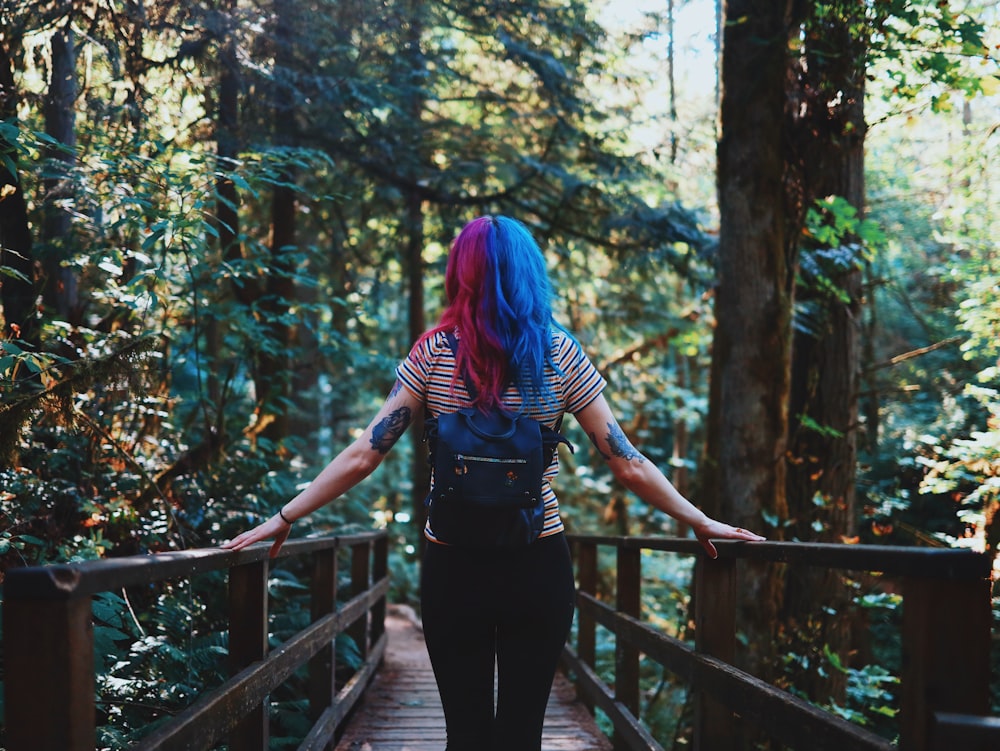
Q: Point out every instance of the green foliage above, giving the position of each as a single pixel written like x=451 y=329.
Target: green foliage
x=155 y=659
x=932 y=478
x=55 y=381
x=871 y=697
x=869 y=690
x=666 y=588
x=928 y=49
x=159 y=650
x=836 y=241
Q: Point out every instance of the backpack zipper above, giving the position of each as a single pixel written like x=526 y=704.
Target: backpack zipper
x=490 y=459
x=461 y=469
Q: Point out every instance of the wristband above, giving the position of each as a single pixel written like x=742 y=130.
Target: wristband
x=285 y=519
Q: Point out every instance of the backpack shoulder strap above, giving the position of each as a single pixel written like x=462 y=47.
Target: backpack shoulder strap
x=453 y=346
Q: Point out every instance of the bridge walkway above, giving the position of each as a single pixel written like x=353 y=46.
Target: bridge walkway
x=401 y=710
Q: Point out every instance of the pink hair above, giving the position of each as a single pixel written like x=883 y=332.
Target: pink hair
x=499 y=300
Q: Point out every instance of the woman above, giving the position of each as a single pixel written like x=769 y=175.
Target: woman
x=511 y=607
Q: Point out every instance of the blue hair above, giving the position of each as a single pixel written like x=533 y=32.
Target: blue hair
x=500 y=299
x=524 y=306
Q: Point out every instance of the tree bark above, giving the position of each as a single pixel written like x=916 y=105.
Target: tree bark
x=720 y=15
x=228 y=142
x=17 y=291
x=414 y=262
x=61 y=289
x=748 y=418
x=671 y=81
x=826 y=130
x=273 y=361
x=680 y=476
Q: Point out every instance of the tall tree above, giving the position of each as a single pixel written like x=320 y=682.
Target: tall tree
x=227 y=202
x=751 y=357
x=825 y=133
x=61 y=288
x=20 y=313
x=413 y=233
x=671 y=80
x=273 y=374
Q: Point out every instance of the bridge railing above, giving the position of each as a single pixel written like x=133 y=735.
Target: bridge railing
x=946 y=627
x=49 y=645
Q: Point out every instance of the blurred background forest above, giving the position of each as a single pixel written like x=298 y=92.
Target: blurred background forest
x=225 y=221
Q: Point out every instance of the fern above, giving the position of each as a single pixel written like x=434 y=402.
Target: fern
x=55 y=396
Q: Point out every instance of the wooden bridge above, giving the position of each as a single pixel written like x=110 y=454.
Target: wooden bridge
x=389 y=702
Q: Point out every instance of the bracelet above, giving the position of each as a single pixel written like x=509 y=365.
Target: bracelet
x=285 y=519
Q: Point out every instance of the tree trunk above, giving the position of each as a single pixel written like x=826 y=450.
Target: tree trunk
x=17 y=285
x=417 y=324
x=61 y=289
x=414 y=262
x=228 y=140
x=719 y=31
x=671 y=81
x=748 y=418
x=680 y=476
x=227 y=221
x=273 y=361
x=826 y=133
x=871 y=401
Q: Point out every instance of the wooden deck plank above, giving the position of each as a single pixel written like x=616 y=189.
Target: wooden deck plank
x=402 y=712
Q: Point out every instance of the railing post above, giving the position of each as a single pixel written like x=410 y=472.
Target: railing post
x=715 y=634
x=626 y=655
x=323 y=665
x=49 y=674
x=360 y=578
x=248 y=630
x=380 y=570
x=946 y=637
x=586 y=632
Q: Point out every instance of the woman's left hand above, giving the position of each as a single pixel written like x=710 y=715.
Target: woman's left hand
x=273 y=527
x=722 y=531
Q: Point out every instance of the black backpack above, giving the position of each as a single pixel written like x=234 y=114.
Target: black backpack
x=488 y=468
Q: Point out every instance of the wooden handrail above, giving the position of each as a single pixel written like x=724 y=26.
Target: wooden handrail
x=946 y=623
x=49 y=645
x=50 y=672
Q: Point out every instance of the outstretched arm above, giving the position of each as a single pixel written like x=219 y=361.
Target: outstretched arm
x=346 y=470
x=644 y=478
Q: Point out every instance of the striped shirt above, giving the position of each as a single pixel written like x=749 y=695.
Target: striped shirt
x=428 y=373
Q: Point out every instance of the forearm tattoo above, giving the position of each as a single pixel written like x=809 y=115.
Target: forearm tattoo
x=389 y=429
x=620 y=446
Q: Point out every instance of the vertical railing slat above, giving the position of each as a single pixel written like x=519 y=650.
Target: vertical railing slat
x=248 y=629
x=715 y=635
x=586 y=632
x=360 y=581
x=946 y=641
x=49 y=674
x=380 y=570
x=626 y=655
x=322 y=667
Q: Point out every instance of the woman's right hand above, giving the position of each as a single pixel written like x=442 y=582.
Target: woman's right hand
x=711 y=528
x=274 y=527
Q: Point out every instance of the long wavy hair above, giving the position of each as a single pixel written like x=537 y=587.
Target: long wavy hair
x=500 y=301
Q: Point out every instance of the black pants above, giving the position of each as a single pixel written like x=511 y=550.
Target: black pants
x=512 y=608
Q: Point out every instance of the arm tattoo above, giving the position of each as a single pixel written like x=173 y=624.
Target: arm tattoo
x=620 y=445
x=389 y=429
x=593 y=440
x=396 y=388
